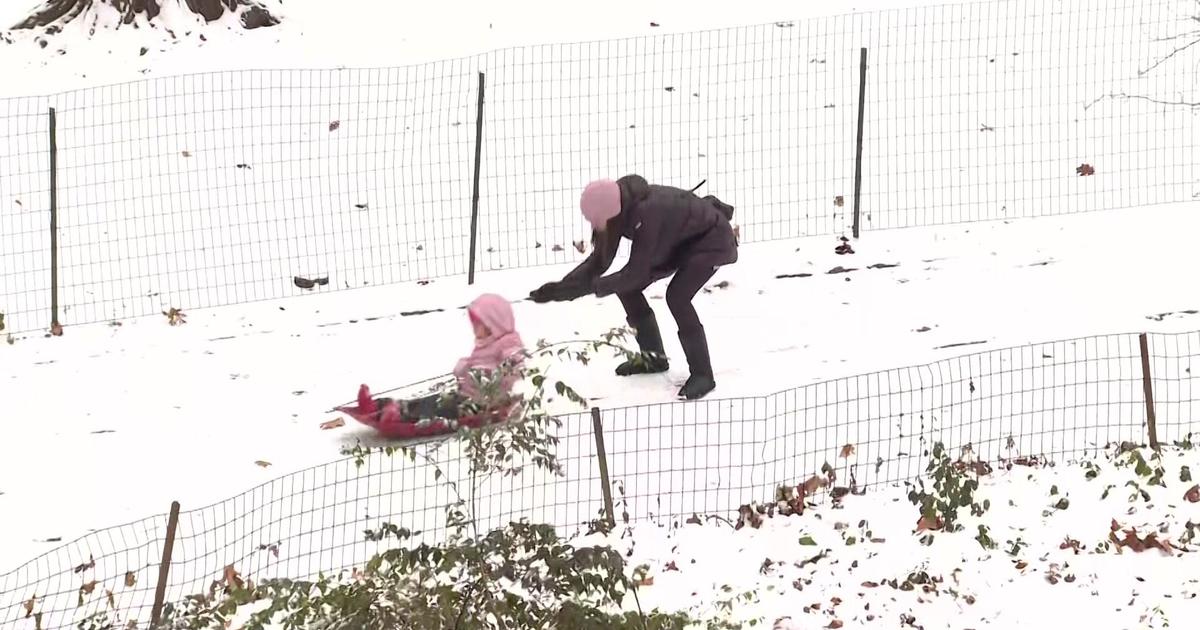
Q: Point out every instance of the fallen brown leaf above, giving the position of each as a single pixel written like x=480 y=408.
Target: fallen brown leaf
x=869 y=584
x=333 y=424
x=646 y=581
x=1193 y=494
x=834 y=624
x=130 y=578
x=839 y=201
x=262 y=464
x=1071 y=543
x=814 y=483
x=333 y=126
x=29 y=603
x=929 y=524
x=56 y=329
x=175 y=316
x=112 y=601
x=186 y=153
x=232 y=578
x=86 y=589
x=1085 y=169
x=847 y=450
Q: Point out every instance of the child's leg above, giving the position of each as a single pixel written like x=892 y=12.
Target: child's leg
x=450 y=408
x=424 y=407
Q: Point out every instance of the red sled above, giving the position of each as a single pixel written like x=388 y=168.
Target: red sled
x=388 y=421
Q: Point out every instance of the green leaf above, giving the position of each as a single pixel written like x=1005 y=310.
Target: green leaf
x=807 y=541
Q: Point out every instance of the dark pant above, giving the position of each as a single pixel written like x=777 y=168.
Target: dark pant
x=430 y=406
x=687 y=282
x=683 y=287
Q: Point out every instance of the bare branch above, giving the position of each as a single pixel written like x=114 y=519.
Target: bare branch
x=1171 y=38
x=1139 y=97
x=1169 y=56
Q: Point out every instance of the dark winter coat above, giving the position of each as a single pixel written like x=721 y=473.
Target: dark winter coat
x=670 y=228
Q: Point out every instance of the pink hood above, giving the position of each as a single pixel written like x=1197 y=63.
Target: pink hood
x=503 y=344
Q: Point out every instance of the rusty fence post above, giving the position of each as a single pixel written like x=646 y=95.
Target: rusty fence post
x=1148 y=390
x=54 y=323
x=858 y=146
x=602 y=456
x=475 y=185
x=164 y=567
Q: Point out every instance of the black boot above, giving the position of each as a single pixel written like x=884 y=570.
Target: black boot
x=653 y=358
x=695 y=348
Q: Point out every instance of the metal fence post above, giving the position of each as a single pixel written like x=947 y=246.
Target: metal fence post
x=1148 y=390
x=862 y=104
x=602 y=456
x=55 y=326
x=164 y=567
x=475 y=187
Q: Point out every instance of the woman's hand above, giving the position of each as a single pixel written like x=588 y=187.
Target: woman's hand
x=546 y=293
x=559 y=292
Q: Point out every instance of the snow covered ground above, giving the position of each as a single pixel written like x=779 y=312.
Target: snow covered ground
x=214 y=189
x=111 y=422
x=183 y=412
x=1101 y=542
x=318 y=34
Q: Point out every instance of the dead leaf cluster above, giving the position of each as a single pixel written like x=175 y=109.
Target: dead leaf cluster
x=1128 y=538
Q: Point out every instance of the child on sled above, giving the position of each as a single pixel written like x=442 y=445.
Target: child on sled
x=497 y=357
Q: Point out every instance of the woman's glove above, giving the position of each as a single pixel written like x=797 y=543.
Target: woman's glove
x=559 y=292
x=545 y=293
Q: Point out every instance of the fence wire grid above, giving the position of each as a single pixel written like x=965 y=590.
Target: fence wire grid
x=221 y=188
x=666 y=463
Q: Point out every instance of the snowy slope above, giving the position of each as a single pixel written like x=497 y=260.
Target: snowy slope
x=1049 y=560
x=111 y=422
x=371 y=33
x=243 y=384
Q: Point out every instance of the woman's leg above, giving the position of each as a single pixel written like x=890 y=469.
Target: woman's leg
x=640 y=317
x=687 y=282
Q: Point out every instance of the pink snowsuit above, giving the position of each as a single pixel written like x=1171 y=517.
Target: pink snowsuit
x=503 y=344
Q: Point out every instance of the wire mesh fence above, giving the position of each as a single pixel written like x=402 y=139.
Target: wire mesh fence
x=222 y=188
x=665 y=464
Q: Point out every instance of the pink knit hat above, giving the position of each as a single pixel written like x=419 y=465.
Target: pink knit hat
x=600 y=201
